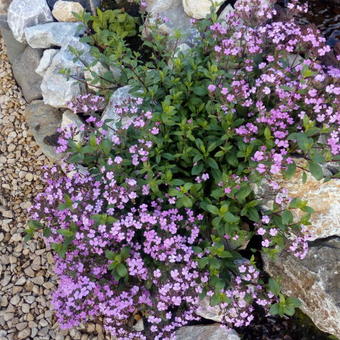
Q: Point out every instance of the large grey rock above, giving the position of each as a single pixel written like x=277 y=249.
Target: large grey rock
x=314 y=280
x=27 y=13
x=46 y=61
x=175 y=19
x=43 y=122
x=53 y=34
x=98 y=71
x=119 y=97
x=64 y=10
x=57 y=89
x=211 y=332
x=3 y=21
x=89 y=5
x=13 y=47
x=24 y=72
x=200 y=9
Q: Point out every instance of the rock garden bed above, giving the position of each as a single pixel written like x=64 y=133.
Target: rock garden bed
x=192 y=159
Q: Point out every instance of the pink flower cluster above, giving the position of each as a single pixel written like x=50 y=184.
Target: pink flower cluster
x=245 y=293
x=291 y=87
x=161 y=255
x=87 y=103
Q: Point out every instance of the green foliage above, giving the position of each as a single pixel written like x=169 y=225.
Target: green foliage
x=110 y=28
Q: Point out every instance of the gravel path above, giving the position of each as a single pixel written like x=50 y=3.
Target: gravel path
x=26 y=278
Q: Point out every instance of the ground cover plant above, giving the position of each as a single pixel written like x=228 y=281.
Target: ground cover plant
x=156 y=210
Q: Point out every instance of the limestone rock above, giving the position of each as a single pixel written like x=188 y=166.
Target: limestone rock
x=63 y=10
x=176 y=19
x=24 y=72
x=53 y=34
x=314 y=280
x=208 y=312
x=3 y=20
x=211 y=332
x=118 y=98
x=89 y=5
x=57 y=90
x=71 y=119
x=46 y=61
x=200 y=9
x=96 y=70
x=323 y=197
x=27 y=13
x=43 y=122
x=13 y=47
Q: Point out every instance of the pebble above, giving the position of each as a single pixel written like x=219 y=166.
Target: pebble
x=24 y=333
x=15 y=300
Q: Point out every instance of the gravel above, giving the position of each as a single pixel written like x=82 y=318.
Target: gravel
x=26 y=276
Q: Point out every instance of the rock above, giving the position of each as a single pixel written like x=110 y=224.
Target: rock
x=13 y=47
x=3 y=21
x=43 y=122
x=314 y=280
x=118 y=98
x=53 y=34
x=4 y=6
x=208 y=312
x=24 y=72
x=176 y=19
x=63 y=10
x=70 y=118
x=24 y=334
x=228 y=10
x=46 y=61
x=96 y=70
x=57 y=90
x=200 y=9
x=89 y=5
x=323 y=197
x=211 y=332
x=27 y=13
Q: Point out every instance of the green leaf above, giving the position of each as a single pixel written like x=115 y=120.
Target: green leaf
x=110 y=255
x=274 y=287
x=304 y=177
x=294 y=301
x=274 y=309
x=34 y=224
x=185 y=202
x=121 y=270
x=316 y=170
x=203 y=262
x=290 y=172
x=213 y=164
x=197 y=169
x=243 y=193
x=106 y=146
x=213 y=209
x=253 y=214
x=200 y=91
x=125 y=252
x=65 y=232
x=230 y=218
x=47 y=232
x=287 y=217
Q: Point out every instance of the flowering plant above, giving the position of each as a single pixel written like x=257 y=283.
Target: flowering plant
x=160 y=206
